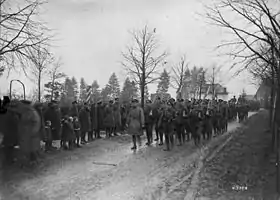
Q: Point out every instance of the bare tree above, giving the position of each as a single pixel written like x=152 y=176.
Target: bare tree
x=40 y=59
x=141 y=59
x=254 y=41
x=179 y=73
x=251 y=43
x=55 y=75
x=20 y=31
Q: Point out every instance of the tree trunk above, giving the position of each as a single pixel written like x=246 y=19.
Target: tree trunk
x=142 y=86
x=52 y=91
x=39 y=86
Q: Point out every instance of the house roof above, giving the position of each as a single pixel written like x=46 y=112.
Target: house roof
x=219 y=89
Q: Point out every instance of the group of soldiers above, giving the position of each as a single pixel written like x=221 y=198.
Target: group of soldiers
x=173 y=121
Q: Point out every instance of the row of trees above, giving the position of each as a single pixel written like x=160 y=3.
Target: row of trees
x=68 y=89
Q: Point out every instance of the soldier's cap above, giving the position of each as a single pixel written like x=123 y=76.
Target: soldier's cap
x=134 y=101
x=74 y=102
x=148 y=101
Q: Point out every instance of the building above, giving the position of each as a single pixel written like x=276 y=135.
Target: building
x=219 y=91
x=165 y=96
x=263 y=95
x=249 y=97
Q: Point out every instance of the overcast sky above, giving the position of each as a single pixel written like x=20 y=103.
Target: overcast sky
x=92 y=33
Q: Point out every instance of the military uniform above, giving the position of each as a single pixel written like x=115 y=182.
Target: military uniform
x=179 y=121
x=109 y=119
x=167 y=125
x=135 y=123
x=149 y=120
x=117 y=116
x=84 y=119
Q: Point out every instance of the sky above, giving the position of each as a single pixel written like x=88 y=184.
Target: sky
x=91 y=34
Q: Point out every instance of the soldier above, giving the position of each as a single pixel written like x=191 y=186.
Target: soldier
x=166 y=124
x=149 y=121
x=9 y=127
x=74 y=111
x=135 y=123
x=68 y=135
x=179 y=121
x=29 y=125
x=156 y=113
x=52 y=114
x=99 y=119
x=117 y=116
x=123 y=117
x=84 y=119
x=76 y=126
x=109 y=119
x=48 y=136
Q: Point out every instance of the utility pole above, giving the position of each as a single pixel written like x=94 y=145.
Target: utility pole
x=213 y=84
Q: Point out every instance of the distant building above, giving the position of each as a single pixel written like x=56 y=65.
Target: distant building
x=166 y=96
x=219 y=91
x=249 y=97
x=263 y=95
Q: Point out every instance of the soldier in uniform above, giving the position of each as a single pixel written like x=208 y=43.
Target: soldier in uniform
x=77 y=129
x=9 y=128
x=84 y=119
x=109 y=119
x=68 y=135
x=74 y=111
x=167 y=124
x=117 y=117
x=156 y=114
x=149 y=121
x=48 y=136
x=123 y=117
x=99 y=119
x=135 y=123
x=179 y=121
x=29 y=125
x=52 y=113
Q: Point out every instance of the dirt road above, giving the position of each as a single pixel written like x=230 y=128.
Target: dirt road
x=107 y=170
x=242 y=169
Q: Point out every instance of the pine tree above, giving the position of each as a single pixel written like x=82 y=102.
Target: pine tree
x=70 y=91
x=113 y=86
x=129 y=91
x=66 y=96
x=163 y=84
x=54 y=90
x=95 y=91
x=105 y=94
x=83 y=90
x=75 y=88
